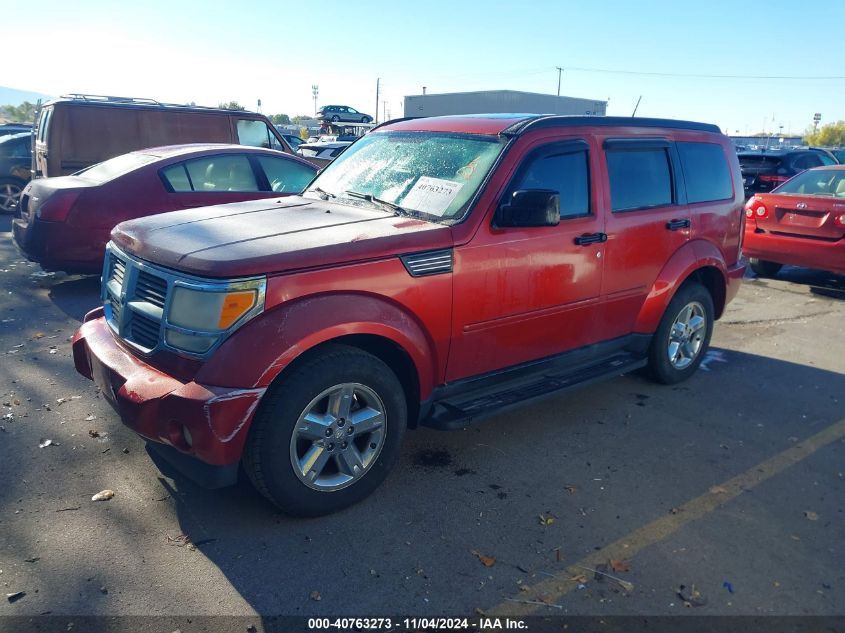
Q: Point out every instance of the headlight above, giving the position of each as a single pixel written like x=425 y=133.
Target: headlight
x=200 y=315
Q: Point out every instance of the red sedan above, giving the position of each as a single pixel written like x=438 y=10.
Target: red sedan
x=64 y=223
x=800 y=223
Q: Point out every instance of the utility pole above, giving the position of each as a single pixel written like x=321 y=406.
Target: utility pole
x=559 y=72
x=384 y=111
x=315 y=92
x=378 y=82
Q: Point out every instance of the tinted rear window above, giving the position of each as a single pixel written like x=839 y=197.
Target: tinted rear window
x=639 y=179
x=759 y=162
x=705 y=171
x=114 y=167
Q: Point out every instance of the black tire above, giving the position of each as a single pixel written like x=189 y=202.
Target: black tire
x=335 y=118
x=662 y=367
x=10 y=194
x=763 y=268
x=268 y=456
x=365 y=119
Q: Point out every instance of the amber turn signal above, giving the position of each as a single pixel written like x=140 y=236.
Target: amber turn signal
x=235 y=305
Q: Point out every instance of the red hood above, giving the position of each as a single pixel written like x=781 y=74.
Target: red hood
x=271 y=236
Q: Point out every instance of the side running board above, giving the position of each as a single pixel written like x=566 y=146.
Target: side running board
x=456 y=412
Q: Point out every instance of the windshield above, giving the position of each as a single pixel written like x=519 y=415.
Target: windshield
x=816 y=182
x=433 y=174
x=114 y=167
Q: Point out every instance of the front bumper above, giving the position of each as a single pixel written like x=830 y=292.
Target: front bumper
x=161 y=408
x=795 y=251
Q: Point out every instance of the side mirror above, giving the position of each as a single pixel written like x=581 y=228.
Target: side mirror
x=529 y=207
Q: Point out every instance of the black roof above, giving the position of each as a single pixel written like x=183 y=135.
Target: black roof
x=551 y=120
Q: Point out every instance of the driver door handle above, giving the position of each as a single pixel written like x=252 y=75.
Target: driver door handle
x=590 y=238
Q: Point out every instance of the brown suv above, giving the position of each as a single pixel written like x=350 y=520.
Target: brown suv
x=77 y=131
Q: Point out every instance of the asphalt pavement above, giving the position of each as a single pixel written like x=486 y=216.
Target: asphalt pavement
x=721 y=496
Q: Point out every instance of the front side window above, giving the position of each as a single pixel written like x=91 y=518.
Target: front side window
x=639 y=178
x=706 y=172
x=286 y=175
x=564 y=172
x=230 y=172
x=433 y=174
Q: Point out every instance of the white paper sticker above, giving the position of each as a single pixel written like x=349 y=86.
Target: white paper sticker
x=432 y=195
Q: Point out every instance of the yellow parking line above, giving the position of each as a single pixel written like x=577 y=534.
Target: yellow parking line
x=552 y=589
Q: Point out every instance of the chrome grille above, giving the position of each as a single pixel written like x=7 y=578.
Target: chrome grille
x=151 y=289
x=134 y=297
x=144 y=331
x=118 y=270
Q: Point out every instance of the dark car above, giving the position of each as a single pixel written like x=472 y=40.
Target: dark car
x=15 y=159
x=337 y=113
x=800 y=223
x=325 y=150
x=764 y=170
x=15 y=128
x=64 y=223
x=839 y=154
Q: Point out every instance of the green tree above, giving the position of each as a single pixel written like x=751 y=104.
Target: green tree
x=279 y=119
x=232 y=105
x=830 y=135
x=302 y=117
x=23 y=113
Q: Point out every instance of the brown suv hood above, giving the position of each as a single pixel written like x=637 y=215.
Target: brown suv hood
x=271 y=236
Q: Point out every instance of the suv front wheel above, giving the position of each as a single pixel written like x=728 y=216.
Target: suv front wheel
x=328 y=433
x=683 y=336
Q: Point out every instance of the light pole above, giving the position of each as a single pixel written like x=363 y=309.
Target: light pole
x=559 y=72
x=315 y=92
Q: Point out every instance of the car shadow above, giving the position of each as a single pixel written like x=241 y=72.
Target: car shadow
x=411 y=546
x=820 y=282
x=75 y=295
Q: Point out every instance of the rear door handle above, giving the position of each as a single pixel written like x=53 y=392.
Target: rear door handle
x=674 y=225
x=590 y=238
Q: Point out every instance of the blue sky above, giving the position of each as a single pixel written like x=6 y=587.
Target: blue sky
x=212 y=51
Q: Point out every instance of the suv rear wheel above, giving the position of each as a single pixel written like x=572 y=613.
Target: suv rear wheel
x=327 y=434
x=683 y=336
x=763 y=268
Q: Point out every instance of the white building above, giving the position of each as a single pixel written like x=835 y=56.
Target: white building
x=499 y=101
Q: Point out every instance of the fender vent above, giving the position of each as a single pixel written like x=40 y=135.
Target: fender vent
x=430 y=263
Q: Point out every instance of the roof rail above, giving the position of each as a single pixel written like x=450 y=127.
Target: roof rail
x=136 y=101
x=563 y=120
x=112 y=98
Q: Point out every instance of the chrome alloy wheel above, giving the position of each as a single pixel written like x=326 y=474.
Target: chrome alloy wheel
x=686 y=336
x=10 y=193
x=338 y=437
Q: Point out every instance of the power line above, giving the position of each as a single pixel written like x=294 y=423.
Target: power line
x=701 y=75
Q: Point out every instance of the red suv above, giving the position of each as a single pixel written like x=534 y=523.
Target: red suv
x=438 y=271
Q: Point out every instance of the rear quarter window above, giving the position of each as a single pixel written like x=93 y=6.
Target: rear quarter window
x=706 y=172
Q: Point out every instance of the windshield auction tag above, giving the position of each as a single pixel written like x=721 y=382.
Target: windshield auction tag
x=432 y=195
